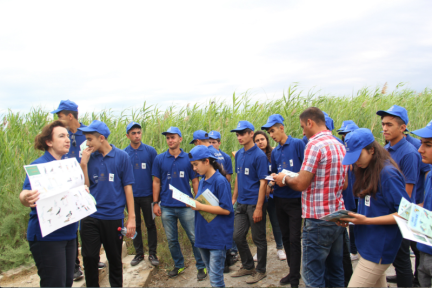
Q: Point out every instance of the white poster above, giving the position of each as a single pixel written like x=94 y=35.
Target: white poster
x=63 y=199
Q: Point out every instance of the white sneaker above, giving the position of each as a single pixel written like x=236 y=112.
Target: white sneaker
x=354 y=257
x=281 y=254
x=255 y=257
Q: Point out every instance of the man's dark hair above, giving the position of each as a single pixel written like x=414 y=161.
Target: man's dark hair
x=314 y=114
x=247 y=130
x=67 y=112
x=397 y=118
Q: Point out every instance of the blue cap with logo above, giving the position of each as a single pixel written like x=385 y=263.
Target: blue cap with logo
x=355 y=142
x=199 y=135
x=344 y=124
x=132 y=125
x=97 y=126
x=242 y=125
x=272 y=120
x=66 y=105
x=200 y=152
x=425 y=132
x=328 y=121
x=395 y=110
x=348 y=128
x=214 y=135
x=172 y=130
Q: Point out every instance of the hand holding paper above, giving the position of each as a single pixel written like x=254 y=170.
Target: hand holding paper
x=182 y=197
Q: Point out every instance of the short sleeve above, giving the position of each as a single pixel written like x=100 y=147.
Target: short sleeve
x=128 y=177
x=393 y=187
x=312 y=157
x=410 y=166
x=262 y=166
x=156 y=169
x=228 y=164
x=153 y=155
x=26 y=185
x=224 y=195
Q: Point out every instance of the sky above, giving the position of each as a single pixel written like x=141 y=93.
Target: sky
x=118 y=54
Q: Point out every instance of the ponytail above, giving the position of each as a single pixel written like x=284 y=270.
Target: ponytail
x=215 y=165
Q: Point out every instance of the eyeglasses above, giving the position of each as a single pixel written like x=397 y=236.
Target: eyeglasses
x=73 y=140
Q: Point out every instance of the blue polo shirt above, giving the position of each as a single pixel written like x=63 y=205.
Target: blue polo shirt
x=251 y=167
x=290 y=157
x=33 y=230
x=217 y=234
x=386 y=239
x=74 y=151
x=427 y=204
x=108 y=176
x=408 y=160
x=228 y=163
x=142 y=162
x=347 y=194
x=175 y=171
x=424 y=168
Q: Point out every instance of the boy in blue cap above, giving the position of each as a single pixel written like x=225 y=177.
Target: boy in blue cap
x=215 y=141
x=142 y=157
x=172 y=167
x=108 y=172
x=249 y=192
x=287 y=155
x=425 y=267
x=67 y=111
x=394 y=122
x=200 y=137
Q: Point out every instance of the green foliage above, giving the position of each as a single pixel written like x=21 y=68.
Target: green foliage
x=17 y=133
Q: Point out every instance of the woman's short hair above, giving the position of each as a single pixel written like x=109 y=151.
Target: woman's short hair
x=47 y=134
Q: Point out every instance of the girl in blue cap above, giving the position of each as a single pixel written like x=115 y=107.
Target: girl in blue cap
x=213 y=234
x=380 y=187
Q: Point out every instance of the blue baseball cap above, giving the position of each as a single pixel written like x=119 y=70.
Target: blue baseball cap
x=199 y=135
x=214 y=135
x=328 y=121
x=344 y=124
x=355 y=142
x=66 y=105
x=425 y=132
x=242 y=125
x=272 y=120
x=200 y=152
x=395 y=110
x=132 y=125
x=97 y=126
x=348 y=128
x=172 y=130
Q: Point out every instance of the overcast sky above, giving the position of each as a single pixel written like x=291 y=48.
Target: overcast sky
x=118 y=54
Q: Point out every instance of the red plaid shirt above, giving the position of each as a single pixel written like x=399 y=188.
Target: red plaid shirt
x=323 y=157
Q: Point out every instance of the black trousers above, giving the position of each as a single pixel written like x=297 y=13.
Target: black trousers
x=95 y=232
x=347 y=265
x=417 y=261
x=55 y=261
x=144 y=204
x=289 y=214
x=243 y=219
x=402 y=264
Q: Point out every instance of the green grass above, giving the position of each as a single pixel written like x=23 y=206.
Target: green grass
x=18 y=130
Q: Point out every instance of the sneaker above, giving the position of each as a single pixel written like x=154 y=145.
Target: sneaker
x=153 y=260
x=78 y=273
x=137 y=259
x=101 y=265
x=243 y=272
x=391 y=279
x=202 y=274
x=354 y=257
x=257 y=276
x=175 y=272
x=255 y=257
x=281 y=254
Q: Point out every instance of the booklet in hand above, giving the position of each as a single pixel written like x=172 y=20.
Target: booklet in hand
x=208 y=198
x=335 y=216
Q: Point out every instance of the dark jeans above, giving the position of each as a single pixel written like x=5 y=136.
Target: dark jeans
x=353 y=247
x=289 y=212
x=95 y=232
x=347 y=265
x=402 y=265
x=277 y=233
x=144 y=204
x=55 y=261
x=243 y=219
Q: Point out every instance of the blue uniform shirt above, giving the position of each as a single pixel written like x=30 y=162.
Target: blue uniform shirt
x=33 y=230
x=74 y=151
x=217 y=234
x=228 y=163
x=408 y=160
x=381 y=242
x=251 y=167
x=108 y=175
x=142 y=162
x=175 y=171
x=424 y=168
x=347 y=194
x=427 y=205
x=290 y=157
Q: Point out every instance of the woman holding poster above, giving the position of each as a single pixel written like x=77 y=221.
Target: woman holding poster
x=55 y=253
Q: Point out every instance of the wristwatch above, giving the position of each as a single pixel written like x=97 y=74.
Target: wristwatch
x=270 y=184
x=155 y=203
x=283 y=179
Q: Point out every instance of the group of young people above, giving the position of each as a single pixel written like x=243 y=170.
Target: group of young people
x=354 y=173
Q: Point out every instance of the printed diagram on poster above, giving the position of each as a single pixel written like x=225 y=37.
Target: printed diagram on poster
x=63 y=198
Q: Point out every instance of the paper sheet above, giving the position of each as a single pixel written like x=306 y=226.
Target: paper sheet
x=269 y=177
x=182 y=197
x=409 y=234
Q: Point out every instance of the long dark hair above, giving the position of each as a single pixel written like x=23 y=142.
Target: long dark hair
x=368 y=179
x=215 y=165
x=268 y=148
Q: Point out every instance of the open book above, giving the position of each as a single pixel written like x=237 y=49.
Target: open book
x=208 y=198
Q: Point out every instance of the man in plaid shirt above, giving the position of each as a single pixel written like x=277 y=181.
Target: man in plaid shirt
x=322 y=179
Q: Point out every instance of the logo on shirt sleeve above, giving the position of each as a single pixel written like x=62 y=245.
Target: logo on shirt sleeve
x=111 y=177
x=144 y=165
x=246 y=171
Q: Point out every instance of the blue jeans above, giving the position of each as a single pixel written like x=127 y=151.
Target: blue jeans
x=271 y=209
x=215 y=262
x=170 y=215
x=322 y=254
